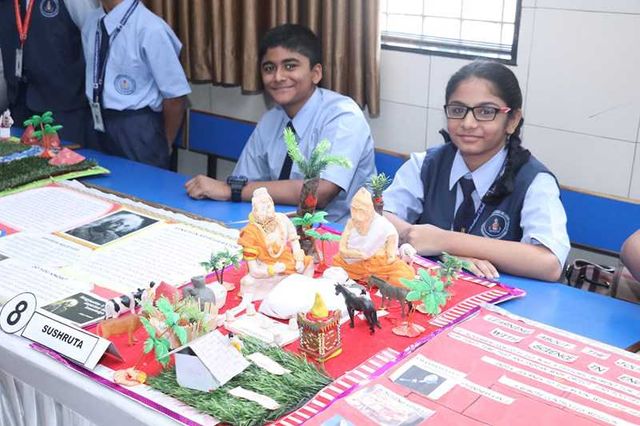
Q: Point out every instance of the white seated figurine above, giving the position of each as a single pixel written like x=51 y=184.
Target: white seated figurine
x=5 y=125
x=369 y=245
x=270 y=247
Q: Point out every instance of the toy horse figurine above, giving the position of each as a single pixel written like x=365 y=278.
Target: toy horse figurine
x=359 y=303
x=390 y=292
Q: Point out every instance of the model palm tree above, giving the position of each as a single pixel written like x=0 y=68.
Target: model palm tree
x=450 y=267
x=378 y=184
x=311 y=169
x=159 y=344
x=429 y=289
x=43 y=129
x=307 y=223
x=326 y=236
x=218 y=262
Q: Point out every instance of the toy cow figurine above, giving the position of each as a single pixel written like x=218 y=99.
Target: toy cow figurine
x=359 y=303
x=119 y=305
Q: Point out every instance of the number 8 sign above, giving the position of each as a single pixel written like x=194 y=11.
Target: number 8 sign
x=17 y=312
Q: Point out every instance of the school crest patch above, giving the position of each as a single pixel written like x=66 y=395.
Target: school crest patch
x=496 y=226
x=124 y=84
x=49 y=8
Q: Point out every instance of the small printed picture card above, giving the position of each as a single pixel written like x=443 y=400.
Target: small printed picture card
x=81 y=308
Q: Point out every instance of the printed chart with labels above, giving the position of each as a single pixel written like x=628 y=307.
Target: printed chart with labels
x=65 y=239
x=500 y=369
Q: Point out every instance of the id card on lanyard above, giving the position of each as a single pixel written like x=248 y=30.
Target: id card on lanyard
x=100 y=66
x=23 y=30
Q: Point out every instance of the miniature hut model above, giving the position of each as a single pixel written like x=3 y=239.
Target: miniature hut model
x=320 y=332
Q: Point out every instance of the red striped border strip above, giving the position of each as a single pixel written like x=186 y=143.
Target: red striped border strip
x=466 y=306
x=348 y=380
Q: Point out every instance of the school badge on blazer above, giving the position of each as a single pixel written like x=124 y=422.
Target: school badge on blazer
x=124 y=84
x=49 y=8
x=496 y=226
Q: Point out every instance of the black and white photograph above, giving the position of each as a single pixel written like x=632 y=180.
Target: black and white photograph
x=420 y=380
x=81 y=308
x=111 y=227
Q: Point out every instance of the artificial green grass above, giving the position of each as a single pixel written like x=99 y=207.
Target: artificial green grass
x=291 y=390
x=10 y=148
x=26 y=170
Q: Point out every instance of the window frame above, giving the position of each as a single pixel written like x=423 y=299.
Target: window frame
x=462 y=50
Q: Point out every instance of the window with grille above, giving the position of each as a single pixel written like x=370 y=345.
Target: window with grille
x=460 y=28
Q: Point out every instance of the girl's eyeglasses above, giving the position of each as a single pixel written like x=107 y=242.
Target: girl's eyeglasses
x=480 y=113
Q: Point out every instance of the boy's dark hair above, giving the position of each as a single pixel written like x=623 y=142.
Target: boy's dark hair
x=297 y=38
x=506 y=87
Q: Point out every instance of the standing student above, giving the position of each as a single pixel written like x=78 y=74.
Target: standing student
x=290 y=64
x=43 y=62
x=4 y=99
x=481 y=195
x=134 y=81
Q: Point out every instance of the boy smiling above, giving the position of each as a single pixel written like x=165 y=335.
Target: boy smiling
x=290 y=65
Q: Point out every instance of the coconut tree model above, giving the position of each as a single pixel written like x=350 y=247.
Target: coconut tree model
x=218 y=262
x=307 y=223
x=450 y=267
x=45 y=131
x=326 y=236
x=378 y=184
x=31 y=125
x=311 y=168
x=430 y=290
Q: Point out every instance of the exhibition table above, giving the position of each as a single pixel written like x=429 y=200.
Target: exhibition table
x=49 y=393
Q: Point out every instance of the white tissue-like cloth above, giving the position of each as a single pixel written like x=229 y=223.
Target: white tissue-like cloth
x=296 y=293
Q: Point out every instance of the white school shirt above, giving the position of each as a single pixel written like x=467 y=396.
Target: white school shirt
x=543 y=219
x=325 y=115
x=143 y=67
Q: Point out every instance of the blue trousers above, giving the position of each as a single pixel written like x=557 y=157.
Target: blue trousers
x=135 y=134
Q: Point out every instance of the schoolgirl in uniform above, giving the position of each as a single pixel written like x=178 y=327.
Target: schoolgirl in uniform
x=481 y=195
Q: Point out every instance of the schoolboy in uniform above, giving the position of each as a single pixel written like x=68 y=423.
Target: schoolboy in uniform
x=134 y=81
x=481 y=195
x=290 y=63
x=43 y=62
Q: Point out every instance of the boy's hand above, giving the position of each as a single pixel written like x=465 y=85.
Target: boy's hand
x=202 y=186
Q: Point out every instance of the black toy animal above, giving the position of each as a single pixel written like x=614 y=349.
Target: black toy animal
x=359 y=303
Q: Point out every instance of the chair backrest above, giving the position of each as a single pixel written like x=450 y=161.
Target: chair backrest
x=218 y=135
x=596 y=221
x=388 y=162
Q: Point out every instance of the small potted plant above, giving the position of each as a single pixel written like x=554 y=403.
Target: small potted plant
x=377 y=184
x=311 y=169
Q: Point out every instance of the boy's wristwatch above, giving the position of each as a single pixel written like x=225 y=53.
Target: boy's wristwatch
x=237 y=183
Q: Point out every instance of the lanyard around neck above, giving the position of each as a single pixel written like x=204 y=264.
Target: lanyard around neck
x=23 y=24
x=100 y=64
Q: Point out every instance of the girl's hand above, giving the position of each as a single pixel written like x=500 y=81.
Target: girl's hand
x=426 y=239
x=481 y=268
